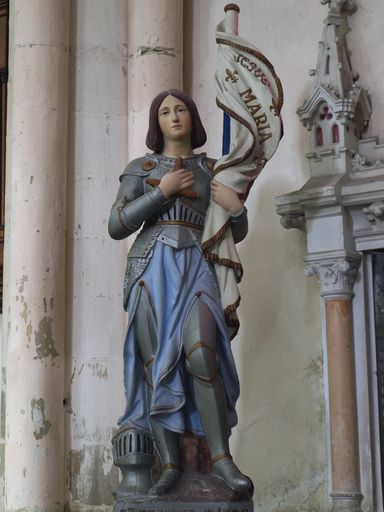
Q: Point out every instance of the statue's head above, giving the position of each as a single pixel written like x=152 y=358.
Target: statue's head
x=155 y=139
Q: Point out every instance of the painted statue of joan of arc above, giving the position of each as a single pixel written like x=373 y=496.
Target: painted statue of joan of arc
x=179 y=371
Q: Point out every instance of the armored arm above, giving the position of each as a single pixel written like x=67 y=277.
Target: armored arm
x=132 y=206
x=239 y=225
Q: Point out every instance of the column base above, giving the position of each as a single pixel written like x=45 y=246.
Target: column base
x=346 y=502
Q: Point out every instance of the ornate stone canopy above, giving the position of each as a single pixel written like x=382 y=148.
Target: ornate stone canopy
x=341 y=205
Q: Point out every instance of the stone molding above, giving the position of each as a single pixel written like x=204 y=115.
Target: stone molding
x=346 y=502
x=336 y=275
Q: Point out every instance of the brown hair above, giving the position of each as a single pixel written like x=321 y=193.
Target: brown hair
x=155 y=140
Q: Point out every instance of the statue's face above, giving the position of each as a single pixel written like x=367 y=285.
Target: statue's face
x=175 y=120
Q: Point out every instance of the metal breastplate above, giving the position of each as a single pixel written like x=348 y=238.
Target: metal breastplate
x=182 y=221
x=182 y=214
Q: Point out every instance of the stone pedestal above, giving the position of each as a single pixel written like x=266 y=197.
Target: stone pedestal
x=184 y=502
x=197 y=491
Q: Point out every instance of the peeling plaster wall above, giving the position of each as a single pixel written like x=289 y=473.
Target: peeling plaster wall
x=95 y=263
x=34 y=266
x=3 y=380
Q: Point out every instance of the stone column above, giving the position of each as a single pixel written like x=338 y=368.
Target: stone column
x=336 y=277
x=95 y=320
x=155 y=61
x=34 y=269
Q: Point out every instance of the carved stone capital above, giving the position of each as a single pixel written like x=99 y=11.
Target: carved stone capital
x=361 y=163
x=336 y=276
x=293 y=221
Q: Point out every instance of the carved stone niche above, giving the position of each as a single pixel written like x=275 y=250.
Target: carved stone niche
x=341 y=207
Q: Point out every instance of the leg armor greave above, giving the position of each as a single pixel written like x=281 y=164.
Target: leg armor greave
x=167 y=443
x=202 y=362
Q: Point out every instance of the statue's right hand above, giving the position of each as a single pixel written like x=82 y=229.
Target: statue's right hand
x=175 y=181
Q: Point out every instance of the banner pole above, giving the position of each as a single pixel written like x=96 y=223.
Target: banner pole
x=232 y=19
x=231 y=23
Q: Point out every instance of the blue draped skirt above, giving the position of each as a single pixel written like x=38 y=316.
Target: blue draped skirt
x=173 y=277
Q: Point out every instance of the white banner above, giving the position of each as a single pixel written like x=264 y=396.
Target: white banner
x=249 y=91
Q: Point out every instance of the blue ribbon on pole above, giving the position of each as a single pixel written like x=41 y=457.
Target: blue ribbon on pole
x=226 y=134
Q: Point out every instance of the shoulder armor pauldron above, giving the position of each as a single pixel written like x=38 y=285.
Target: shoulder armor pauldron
x=209 y=163
x=140 y=166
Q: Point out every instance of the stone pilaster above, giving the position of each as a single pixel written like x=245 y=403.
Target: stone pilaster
x=336 y=277
x=34 y=268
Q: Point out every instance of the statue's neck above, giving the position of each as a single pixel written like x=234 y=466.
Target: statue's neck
x=177 y=149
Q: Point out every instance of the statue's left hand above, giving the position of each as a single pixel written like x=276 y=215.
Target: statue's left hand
x=226 y=197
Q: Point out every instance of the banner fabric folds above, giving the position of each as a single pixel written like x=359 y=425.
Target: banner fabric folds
x=249 y=91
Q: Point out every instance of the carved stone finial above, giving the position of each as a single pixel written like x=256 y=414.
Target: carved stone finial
x=336 y=276
x=337 y=7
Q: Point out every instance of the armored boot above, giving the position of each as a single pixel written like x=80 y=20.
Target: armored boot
x=211 y=404
x=166 y=442
x=168 y=447
x=203 y=364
